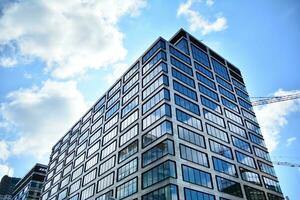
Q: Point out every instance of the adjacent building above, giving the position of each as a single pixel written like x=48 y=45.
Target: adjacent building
x=30 y=186
x=178 y=125
x=7 y=186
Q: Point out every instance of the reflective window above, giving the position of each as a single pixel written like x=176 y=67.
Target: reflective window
x=75 y=186
x=193 y=155
x=161 y=67
x=184 y=90
x=244 y=159
x=190 y=194
x=230 y=105
x=163 y=128
x=91 y=162
x=131 y=71
x=241 y=144
x=254 y=194
x=217 y=133
x=191 y=136
x=164 y=148
x=161 y=55
x=163 y=110
x=179 y=55
x=183 y=45
x=220 y=149
x=224 y=83
x=85 y=126
x=214 y=118
x=274 y=197
x=239 y=85
x=88 y=192
x=129 y=120
x=208 y=92
x=262 y=154
x=112 y=111
x=105 y=182
x=210 y=104
x=77 y=172
x=242 y=94
x=188 y=119
x=130 y=83
x=233 y=117
x=108 y=150
x=64 y=182
x=130 y=94
x=200 y=56
x=224 y=167
x=183 y=78
x=89 y=177
x=95 y=136
x=266 y=168
x=250 y=176
x=245 y=105
x=79 y=160
x=159 y=173
x=114 y=89
x=111 y=122
x=206 y=81
x=196 y=176
x=272 y=185
x=93 y=149
x=107 y=165
x=186 y=104
x=220 y=69
x=237 y=130
x=203 y=70
x=183 y=67
x=229 y=187
x=112 y=100
x=253 y=127
x=168 y=192
x=160 y=44
x=97 y=124
x=105 y=196
x=98 y=113
x=127 y=169
x=154 y=100
x=127 y=189
x=110 y=135
x=249 y=116
x=257 y=140
x=128 y=151
x=162 y=80
x=131 y=133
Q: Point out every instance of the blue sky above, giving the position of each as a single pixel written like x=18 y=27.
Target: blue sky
x=61 y=57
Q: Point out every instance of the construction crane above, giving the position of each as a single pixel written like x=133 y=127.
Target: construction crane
x=281 y=163
x=275 y=99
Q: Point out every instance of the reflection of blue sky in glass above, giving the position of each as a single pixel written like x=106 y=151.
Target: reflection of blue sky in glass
x=38 y=107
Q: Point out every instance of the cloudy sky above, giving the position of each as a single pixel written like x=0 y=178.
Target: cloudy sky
x=57 y=57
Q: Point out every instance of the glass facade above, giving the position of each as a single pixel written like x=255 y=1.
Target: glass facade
x=176 y=126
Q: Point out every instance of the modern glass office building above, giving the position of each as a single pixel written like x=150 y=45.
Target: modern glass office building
x=178 y=125
x=30 y=186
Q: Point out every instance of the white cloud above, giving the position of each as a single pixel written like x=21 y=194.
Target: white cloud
x=42 y=115
x=6 y=170
x=273 y=117
x=198 y=22
x=70 y=36
x=4 y=150
x=210 y=2
x=117 y=70
x=290 y=140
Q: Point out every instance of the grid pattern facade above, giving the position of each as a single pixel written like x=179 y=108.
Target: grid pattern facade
x=177 y=125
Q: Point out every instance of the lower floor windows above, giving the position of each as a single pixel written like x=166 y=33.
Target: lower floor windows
x=168 y=192
x=196 y=176
x=127 y=188
x=224 y=167
x=254 y=194
x=159 y=173
x=88 y=192
x=190 y=194
x=229 y=187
